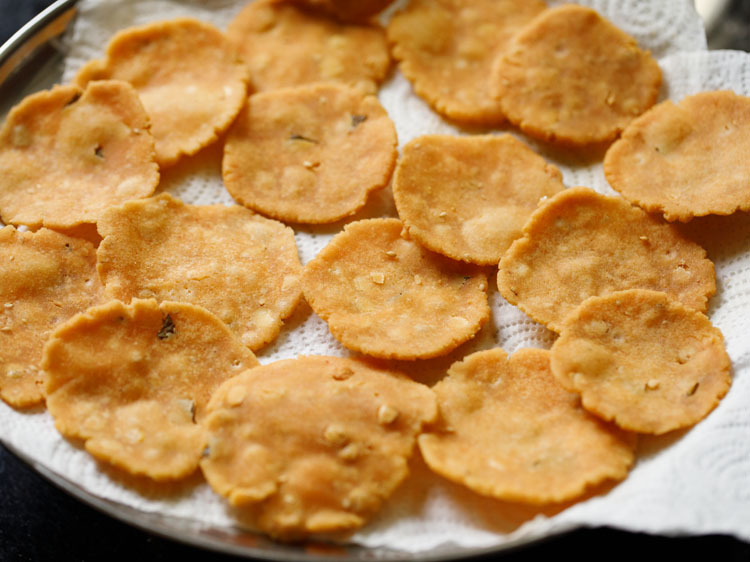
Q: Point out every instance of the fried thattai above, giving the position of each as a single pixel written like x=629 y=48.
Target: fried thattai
x=313 y=445
x=45 y=278
x=510 y=431
x=309 y=154
x=581 y=244
x=68 y=154
x=447 y=49
x=642 y=360
x=286 y=45
x=686 y=160
x=573 y=78
x=242 y=267
x=469 y=197
x=386 y=296
x=132 y=381
x=190 y=78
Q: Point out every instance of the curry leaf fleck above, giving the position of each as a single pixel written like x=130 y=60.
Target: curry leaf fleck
x=167 y=328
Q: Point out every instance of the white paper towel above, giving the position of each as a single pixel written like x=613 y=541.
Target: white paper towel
x=695 y=481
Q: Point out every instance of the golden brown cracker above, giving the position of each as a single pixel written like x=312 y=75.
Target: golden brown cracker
x=447 y=49
x=686 y=160
x=313 y=445
x=67 y=154
x=45 y=278
x=469 y=197
x=386 y=296
x=571 y=77
x=242 y=267
x=310 y=154
x=642 y=360
x=132 y=381
x=509 y=431
x=284 y=45
x=581 y=244
x=189 y=77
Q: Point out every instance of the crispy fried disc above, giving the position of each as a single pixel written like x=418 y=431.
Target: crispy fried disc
x=285 y=45
x=309 y=154
x=66 y=155
x=511 y=432
x=133 y=380
x=315 y=444
x=581 y=244
x=686 y=160
x=388 y=297
x=643 y=360
x=45 y=278
x=189 y=77
x=348 y=10
x=242 y=267
x=572 y=77
x=447 y=49
x=469 y=197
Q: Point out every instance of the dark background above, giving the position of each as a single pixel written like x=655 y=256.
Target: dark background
x=38 y=522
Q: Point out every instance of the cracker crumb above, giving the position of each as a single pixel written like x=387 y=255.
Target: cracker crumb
x=652 y=384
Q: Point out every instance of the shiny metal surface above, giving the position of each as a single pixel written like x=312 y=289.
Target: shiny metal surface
x=31 y=60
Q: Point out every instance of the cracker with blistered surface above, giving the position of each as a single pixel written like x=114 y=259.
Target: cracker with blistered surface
x=68 y=154
x=642 y=360
x=313 y=445
x=190 y=79
x=686 y=160
x=310 y=154
x=45 y=278
x=388 y=297
x=285 y=45
x=573 y=78
x=448 y=48
x=508 y=430
x=132 y=381
x=242 y=267
x=580 y=244
x=469 y=197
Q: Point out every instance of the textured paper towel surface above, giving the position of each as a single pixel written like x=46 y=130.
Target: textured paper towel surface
x=697 y=481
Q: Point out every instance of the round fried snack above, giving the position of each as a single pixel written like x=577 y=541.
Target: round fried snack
x=310 y=154
x=67 y=154
x=45 y=278
x=686 y=160
x=132 y=381
x=241 y=267
x=511 y=432
x=313 y=445
x=581 y=244
x=573 y=78
x=285 y=45
x=386 y=296
x=642 y=360
x=189 y=77
x=348 y=10
x=448 y=48
x=469 y=197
